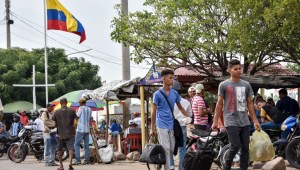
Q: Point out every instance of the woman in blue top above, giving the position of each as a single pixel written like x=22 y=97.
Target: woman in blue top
x=115 y=129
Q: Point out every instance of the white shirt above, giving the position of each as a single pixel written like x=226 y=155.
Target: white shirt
x=39 y=124
x=177 y=113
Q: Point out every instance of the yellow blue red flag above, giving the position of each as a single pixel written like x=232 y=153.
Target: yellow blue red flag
x=59 y=18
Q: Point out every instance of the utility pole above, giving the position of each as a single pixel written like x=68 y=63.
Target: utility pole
x=125 y=68
x=8 y=23
x=125 y=49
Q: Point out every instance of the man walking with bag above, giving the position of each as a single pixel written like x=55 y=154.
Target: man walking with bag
x=234 y=95
x=162 y=114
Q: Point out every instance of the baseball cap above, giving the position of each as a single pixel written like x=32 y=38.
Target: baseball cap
x=199 y=88
x=50 y=105
x=192 y=88
x=130 y=122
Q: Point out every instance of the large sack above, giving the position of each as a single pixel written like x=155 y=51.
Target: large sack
x=261 y=147
x=106 y=154
x=101 y=143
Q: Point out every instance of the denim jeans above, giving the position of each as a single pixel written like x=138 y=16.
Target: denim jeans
x=182 y=150
x=78 y=138
x=167 y=140
x=50 y=148
x=239 y=139
x=270 y=125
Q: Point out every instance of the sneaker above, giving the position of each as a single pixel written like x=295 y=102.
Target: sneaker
x=53 y=164
x=77 y=163
x=85 y=163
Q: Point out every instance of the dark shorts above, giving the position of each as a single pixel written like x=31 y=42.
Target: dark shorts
x=66 y=142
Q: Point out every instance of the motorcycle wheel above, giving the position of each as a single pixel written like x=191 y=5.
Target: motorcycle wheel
x=65 y=154
x=16 y=154
x=292 y=153
x=236 y=160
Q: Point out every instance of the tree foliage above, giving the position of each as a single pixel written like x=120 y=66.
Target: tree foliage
x=200 y=33
x=68 y=74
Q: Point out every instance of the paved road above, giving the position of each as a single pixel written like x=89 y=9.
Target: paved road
x=31 y=163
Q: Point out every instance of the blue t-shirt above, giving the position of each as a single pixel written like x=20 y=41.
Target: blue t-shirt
x=164 y=117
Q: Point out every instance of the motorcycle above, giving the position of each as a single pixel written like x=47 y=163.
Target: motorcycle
x=5 y=143
x=290 y=128
x=219 y=138
x=32 y=141
x=292 y=151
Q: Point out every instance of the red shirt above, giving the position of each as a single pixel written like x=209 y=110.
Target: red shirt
x=24 y=120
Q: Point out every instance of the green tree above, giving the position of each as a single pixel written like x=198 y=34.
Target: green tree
x=271 y=26
x=188 y=32
x=294 y=67
x=67 y=74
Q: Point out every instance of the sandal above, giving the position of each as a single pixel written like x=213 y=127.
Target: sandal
x=71 y=167
x=60 y=168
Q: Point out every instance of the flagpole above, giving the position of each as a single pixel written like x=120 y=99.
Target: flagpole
x=45 y=49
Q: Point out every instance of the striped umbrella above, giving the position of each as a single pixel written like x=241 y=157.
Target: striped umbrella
x=73 y=98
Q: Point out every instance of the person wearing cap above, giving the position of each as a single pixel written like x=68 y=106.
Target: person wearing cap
x=137 y=119
x=184 y=121
x=191 y=92
x=200 y=110
x=234 y=98
x=132 y=129
x=23 y=118
x=49 y=129
x=84 y=115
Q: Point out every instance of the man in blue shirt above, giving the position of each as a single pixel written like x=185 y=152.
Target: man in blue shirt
x=162 y=115
x=82 y=133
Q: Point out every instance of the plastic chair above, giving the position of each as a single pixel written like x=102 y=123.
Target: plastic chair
x=133 y=140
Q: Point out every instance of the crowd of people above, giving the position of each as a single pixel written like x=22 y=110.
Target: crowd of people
x=235 y=111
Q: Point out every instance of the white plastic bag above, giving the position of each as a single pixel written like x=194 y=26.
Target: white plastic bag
x=106 y=154
x=261 y=147
x=101 y=143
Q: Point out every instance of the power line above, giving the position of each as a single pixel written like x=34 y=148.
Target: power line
x=96 y=57
x=17 y=16
x=26 y=38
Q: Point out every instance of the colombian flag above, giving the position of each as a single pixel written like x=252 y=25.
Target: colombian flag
x=59 y=18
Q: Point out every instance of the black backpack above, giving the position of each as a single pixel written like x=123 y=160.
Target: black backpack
x=275 y=114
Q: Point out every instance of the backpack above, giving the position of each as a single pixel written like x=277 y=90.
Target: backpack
x=275 y=114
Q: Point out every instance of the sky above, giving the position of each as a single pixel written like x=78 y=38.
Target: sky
x=94 y=15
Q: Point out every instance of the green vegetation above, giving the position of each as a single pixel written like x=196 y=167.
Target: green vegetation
x=208 y=33
x=68 y=74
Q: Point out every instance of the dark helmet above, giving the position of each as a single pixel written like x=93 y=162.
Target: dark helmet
x=35 y=114
x=16 y=117
x=177 y=86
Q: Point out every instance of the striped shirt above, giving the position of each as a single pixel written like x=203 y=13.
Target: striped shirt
x=198 y=101
x=84 y=113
